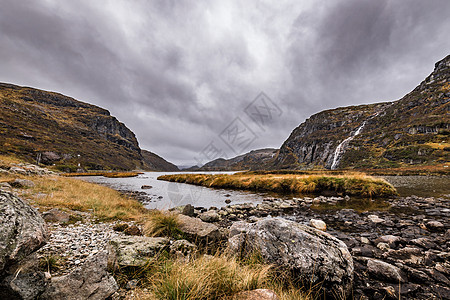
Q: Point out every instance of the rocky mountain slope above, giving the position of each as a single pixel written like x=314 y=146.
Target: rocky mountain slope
x=413 y=130
x=253 y=160
x=155 y=162
x=56 y=129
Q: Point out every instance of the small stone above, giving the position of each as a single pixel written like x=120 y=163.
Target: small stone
x=227 y=201
x=188 y=210
x=318 y=224
x=383 y=246
x=259 y=294
x=435 y=226
x=146 y=187
x=132 y=230
x=132 y=284
x=365 y=240
x=22 y=183
x=56 y=215
x=375 y=219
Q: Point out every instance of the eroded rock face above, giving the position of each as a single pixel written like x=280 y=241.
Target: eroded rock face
x=90 y=281
x=23 y=230
x=312 y=256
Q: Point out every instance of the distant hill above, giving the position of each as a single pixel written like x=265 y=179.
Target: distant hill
x=414 y=130
x=56 y=129
x=157 y=163
x=253 y=160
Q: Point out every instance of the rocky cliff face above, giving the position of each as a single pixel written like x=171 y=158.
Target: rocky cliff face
x=56 y=129
x=253 y=160
x=412 y=130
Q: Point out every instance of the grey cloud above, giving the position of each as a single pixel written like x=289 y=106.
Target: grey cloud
x=178 y=72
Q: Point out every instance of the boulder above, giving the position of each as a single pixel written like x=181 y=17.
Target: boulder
x=210 y=216
x=197 y=230
x=23 y=230
x=435 y=226
x=183 y=249
x=188 y=210
x=391 y=240
x=384 y=271
x=23 y=285
x=134 y=251
x=146 y=187
x=56 y=215
x=90 y=281
x=259 y=294
x=311 y=255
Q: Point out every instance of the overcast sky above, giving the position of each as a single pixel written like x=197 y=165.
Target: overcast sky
x=181 y=73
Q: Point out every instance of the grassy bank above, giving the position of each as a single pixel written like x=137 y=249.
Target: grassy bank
x=104 y=174
x=355 y=184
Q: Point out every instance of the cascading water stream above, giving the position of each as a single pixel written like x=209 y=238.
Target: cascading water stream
x=340 y=148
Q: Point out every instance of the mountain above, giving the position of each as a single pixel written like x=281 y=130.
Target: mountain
x=155 y=162
x=253 y=160
x=56 y=129
x=413 y=130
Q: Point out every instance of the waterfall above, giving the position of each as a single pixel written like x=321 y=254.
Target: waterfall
x=340 y=148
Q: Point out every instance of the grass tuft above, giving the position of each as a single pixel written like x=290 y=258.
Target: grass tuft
x=163 y=223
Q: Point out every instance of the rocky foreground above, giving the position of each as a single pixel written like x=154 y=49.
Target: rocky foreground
x=384 y=250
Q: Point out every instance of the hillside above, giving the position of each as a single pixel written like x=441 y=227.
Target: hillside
x=253 y=160
x=56 y=129
x=411 y=131
x=155 y=162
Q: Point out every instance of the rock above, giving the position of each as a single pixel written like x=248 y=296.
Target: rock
x=318 y=224
x=56 y=215
x=210 y=216
x=391 y=240
x=383 y=246
x=22 y=183
x=259 y=294
x=146 y=187
x=23 y=285
x=227 y=201
x=435 y=226
x=134 y=251
x=197 y=230
x=90 y=281
x=188 y=210
x=17 y=170
x=312 y=256
x=375 y=219
x=132 y=230
x=132 y=284
x=384 y=271
x=5 y=185
x=120 y=227
x=23 y=230
x=183 y=249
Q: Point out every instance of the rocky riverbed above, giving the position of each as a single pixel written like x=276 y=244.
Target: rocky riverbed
x=400 y=247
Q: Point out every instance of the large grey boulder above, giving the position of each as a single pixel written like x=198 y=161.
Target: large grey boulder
x=310 y=255
x=197 y=230
x=90 y=281
x=22 y=230
x=134 y=251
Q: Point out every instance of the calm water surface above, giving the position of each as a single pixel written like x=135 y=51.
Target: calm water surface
x=165 y=195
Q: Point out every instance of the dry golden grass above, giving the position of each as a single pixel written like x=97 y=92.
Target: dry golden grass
x=8 y=159
x=104 y=174
x=206 y=277
x=162 y=223
x=75 y=194
x=355 y=184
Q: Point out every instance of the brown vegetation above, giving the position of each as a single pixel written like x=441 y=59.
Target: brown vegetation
x=356 y=184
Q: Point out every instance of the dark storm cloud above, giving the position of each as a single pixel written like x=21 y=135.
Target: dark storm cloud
x=178 y=72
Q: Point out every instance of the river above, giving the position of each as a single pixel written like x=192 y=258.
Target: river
x=165 y=195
